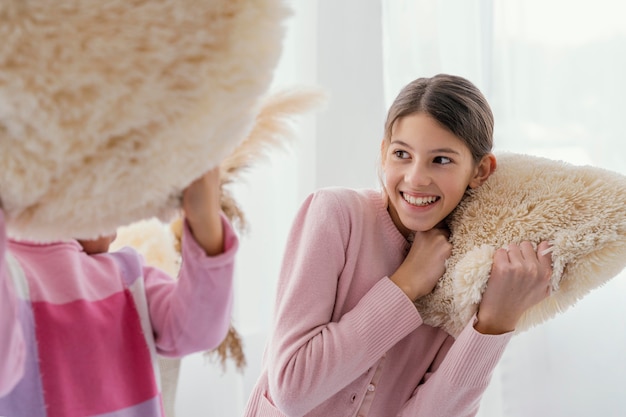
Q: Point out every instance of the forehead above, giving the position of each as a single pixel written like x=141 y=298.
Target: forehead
x=422 y=131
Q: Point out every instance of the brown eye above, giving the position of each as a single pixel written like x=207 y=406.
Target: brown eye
x=401 y=154
x=443 y=160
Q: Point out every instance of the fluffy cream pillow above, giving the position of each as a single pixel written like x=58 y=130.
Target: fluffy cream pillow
x=580 y=209
x=108 y=109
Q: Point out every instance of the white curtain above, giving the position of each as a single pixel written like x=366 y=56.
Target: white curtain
x=337 y=46
x=553 y=71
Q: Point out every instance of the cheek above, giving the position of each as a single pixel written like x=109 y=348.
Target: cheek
x=459 y=191
x=391 y=171
x=389 y=179
x=453 y=185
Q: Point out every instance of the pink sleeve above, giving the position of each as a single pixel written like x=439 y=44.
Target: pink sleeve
x=193 y=314
x=311 y=357
x=459 y=376
x=12 y=349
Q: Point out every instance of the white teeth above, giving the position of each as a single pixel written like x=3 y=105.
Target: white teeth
x=419 y=201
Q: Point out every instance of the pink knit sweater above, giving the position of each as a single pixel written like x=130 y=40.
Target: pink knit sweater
x=79 y=333
x=346 y=340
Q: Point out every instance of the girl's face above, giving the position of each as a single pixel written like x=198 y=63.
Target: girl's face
x=426 y=171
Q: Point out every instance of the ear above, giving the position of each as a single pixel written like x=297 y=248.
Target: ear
x=483 y=170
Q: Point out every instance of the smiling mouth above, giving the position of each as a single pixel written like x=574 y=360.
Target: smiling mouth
x=419 y=201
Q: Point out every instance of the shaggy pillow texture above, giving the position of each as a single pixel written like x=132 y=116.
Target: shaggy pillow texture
x=109 y=109
x=581 y=210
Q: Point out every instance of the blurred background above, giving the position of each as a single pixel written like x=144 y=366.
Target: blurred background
x=553 y=71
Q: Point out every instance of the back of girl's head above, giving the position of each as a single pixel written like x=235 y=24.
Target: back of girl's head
x=456 y=103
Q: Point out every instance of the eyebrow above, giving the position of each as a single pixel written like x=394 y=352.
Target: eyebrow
x=445 y=150
x=438 y=150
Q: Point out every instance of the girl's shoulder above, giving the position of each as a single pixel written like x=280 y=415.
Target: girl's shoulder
x=350 y=204
x=349 y=197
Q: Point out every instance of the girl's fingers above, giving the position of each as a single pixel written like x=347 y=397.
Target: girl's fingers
x=544 y=253
x=501 y=256
x=514 y=253
x=527 y=250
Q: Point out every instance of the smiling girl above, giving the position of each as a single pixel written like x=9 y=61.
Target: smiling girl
x=348 y=339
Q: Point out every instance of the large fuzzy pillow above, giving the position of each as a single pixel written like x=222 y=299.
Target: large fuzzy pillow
x=109 y=109
x=580 y=209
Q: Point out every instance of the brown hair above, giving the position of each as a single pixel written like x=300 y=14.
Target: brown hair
x=456 y=103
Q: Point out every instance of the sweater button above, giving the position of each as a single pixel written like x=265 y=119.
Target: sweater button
x=371 y=387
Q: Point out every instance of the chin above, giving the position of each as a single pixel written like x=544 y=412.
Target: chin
x=423 y=229
x=422 y=226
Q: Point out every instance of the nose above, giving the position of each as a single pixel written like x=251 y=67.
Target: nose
x=418 y=174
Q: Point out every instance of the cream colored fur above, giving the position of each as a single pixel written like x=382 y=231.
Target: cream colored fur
x=580 y=209
x=108 y=109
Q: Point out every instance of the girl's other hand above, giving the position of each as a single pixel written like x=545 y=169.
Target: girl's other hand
x=424 y=265
x=520 y=278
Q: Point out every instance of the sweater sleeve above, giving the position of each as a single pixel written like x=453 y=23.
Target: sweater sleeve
x=459 y=375
x=12 y=347
x=310 y=356
x=193 y=313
